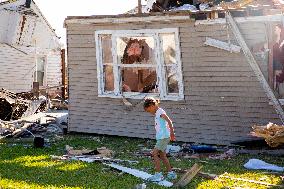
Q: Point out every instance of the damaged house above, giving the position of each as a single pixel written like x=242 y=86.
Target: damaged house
x=217 y=72
x=30 y=51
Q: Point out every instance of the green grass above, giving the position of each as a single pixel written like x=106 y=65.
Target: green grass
x=22 y=167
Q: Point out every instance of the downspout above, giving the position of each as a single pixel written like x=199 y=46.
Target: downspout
x=63 y=70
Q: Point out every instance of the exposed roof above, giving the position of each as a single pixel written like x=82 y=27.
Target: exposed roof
x=26 y=7
x=250 y=6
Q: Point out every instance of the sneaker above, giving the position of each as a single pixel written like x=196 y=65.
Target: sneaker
x=157 y=177
x=171 y=175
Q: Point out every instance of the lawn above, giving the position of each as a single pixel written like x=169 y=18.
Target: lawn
x=22 y=166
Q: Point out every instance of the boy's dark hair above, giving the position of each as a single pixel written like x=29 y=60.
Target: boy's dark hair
x=150 y=101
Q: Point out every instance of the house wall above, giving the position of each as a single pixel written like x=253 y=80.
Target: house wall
x=22 y=37
x=53 y=74
x=223 y=98
x=16 y=73
x=54 y=70
x=9 y=22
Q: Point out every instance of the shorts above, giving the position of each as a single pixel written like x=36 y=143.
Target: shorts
x=161 y=144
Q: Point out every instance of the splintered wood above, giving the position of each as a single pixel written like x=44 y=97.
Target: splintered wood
x=272 y=133
x=188 y=176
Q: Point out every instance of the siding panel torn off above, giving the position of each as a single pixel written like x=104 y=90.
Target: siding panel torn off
x=222 y=45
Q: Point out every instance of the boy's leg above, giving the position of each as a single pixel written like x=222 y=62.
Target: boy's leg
x=155 y=154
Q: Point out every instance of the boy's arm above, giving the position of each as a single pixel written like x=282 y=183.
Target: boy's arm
x=170 y=123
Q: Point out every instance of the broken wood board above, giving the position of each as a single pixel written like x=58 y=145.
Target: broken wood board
x=103 y=159
x=222 y=45
x=188 y=176
x=139 y=174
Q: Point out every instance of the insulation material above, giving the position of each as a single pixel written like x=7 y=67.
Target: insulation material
x=25 y=33
x=272 y=133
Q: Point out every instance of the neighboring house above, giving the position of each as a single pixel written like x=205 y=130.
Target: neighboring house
x=29 y=48
x=212 y=94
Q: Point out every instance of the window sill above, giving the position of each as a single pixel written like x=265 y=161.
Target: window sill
x=144 y=95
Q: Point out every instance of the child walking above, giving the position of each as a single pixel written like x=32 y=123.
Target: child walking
x=164 y=134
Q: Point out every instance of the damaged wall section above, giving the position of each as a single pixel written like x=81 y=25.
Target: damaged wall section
x=26 y=38
x=222 y=96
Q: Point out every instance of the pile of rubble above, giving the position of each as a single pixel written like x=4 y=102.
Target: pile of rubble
x=24 y=115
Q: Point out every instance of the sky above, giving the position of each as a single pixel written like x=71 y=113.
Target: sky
x=55 y=11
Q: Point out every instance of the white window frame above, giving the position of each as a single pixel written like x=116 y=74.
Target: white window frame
x=45 y=69
x=159 y=58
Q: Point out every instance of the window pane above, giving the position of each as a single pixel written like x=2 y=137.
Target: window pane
x=106 y=49
x=38 y=77
x=172 y=79
x=139 y=80
x=39 y=72
x=108 y=78
x=40 y=64
x=169 y=48
x=133 y=50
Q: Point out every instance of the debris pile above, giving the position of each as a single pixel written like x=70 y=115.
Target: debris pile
x=24 y=115
x=272 y=133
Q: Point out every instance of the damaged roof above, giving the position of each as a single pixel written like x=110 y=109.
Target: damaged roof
x=25 y=7
x=240 y=8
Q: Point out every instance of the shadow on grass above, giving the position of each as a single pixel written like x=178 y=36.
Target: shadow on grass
x=23 y=167
x=33 y=168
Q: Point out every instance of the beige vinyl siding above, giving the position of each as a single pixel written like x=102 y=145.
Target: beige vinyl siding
x=223 y=98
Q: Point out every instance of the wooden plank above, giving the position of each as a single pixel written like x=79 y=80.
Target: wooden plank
x=188 y=176
x=270 y=60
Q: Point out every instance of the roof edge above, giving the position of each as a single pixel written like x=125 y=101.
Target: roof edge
x=117 y=19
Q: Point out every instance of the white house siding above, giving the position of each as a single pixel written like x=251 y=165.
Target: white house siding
x=53 y=71
x=22 y=38
x=16 y=73
x=223 y=98
x=9 y=22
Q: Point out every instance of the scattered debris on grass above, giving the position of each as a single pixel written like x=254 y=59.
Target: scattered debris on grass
x=259 y=164
x=99 y=152
x=226 y=155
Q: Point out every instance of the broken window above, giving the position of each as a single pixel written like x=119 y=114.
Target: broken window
x=40 y=70
x=137 y=63
x=107 y=63
x=170 y=61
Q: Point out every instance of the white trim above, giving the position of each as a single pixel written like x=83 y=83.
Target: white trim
x=269 y=18
x=99 y=65
x=158 y=56
x=222 y=45
x=139 y=96
x=89 y=20
x=137 y=65
x=140 y=32
x=179 y=67
x=116 y=69
x=161 y=68
x=94 y=20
